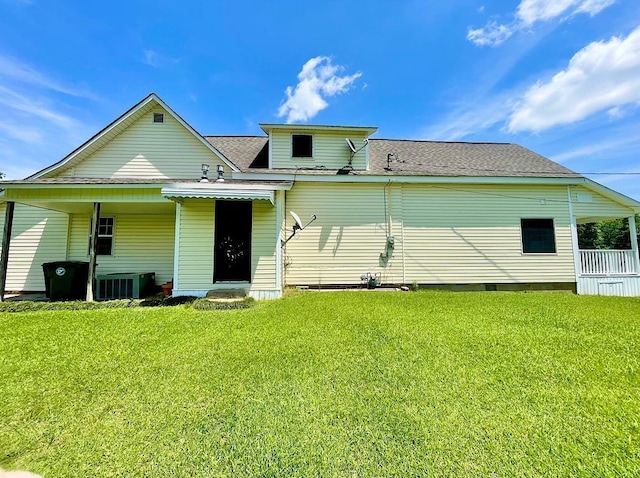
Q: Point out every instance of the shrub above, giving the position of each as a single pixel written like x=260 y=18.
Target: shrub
x=206 y=304
x=183 y=299
x=28 y=306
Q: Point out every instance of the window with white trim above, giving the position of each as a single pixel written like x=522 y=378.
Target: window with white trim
x=538 y=236
x=301 y=146
x=104 y=245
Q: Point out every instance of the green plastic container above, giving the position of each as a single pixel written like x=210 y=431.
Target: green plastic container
x=66 y=280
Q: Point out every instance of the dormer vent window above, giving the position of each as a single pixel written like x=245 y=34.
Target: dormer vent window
x=158 y=117
x=301 y=146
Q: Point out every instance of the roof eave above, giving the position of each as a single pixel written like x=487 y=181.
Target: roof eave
x=267 y=127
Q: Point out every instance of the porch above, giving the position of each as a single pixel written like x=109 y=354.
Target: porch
x=166 y=228
x=609 y=272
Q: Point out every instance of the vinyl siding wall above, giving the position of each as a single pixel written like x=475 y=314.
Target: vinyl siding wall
x=142 y=243
x=600 y=207
x=347 y=238
x=471 y=234
x=329 y=150
x=443 y=235
x=88 y=195
x=38 y=236
x=148 y=150
x=197 y=219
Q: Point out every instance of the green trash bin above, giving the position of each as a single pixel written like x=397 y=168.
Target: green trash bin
x=66 y=280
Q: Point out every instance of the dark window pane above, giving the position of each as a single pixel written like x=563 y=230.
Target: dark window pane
x=104 y=246
x=301 y=146
x=538 y=236
x=158 y=118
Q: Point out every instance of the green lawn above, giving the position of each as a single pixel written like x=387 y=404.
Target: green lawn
x=327 y=384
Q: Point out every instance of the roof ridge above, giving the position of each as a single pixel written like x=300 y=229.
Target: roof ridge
x=444 y=142
x=235 y=136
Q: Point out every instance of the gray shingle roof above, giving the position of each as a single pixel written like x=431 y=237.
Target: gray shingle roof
x=438 y=158
x=62 y=180
x=425 y=158
x=244 y=151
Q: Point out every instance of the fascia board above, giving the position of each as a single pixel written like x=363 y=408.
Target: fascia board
x=370 y=178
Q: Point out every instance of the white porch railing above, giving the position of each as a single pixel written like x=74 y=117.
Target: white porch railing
x=603 y=262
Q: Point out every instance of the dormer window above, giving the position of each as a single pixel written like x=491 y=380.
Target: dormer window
x=301 y=146
x=158 y=117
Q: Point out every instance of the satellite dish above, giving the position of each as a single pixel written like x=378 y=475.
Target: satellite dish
x=352 y=146
x=296 y=218
x=298 y=226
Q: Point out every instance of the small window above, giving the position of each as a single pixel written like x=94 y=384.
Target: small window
x=538 y=236
x=158 y=117
x=105 y=237
x=301 y=146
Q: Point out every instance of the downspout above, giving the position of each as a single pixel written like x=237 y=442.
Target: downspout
x=387 y=210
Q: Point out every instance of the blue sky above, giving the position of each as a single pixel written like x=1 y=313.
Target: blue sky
x=561 y=77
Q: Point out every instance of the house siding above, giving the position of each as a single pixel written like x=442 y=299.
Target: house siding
x=38 y=236
x=600 y=208
x=197 y=219
x=142 y=243
x=471 y=234
x=148 y=150
x=329 y=150
x=347 y=238
x=443 y=235
x=195 y=250
x=263 y=250
x=63 y=196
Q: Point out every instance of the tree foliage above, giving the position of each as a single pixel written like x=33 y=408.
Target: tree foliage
x=613 y=234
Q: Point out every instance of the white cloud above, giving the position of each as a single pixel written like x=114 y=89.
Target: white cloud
x=469 y=119
x=601 y=76
x=530 y=12
x=150 y=58
x=36 y=122
x=33 y=108
x=614 y=147
x=155 y=59
x=319 y=80
x=493 y=34
x=17 y=71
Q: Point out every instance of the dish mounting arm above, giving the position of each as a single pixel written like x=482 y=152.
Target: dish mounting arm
x=297 y=227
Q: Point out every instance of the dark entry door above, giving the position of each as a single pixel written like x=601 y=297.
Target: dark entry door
x=232 y=249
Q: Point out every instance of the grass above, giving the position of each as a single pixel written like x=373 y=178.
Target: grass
x=327 y=384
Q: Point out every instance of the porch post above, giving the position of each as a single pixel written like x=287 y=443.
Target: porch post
x=577 y=266
x=279 y=248
x=93 y=244
x=633 y=232
x=6 y=240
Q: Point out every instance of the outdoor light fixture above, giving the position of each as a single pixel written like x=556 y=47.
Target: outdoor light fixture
x=220 y=174
x=205 y=170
